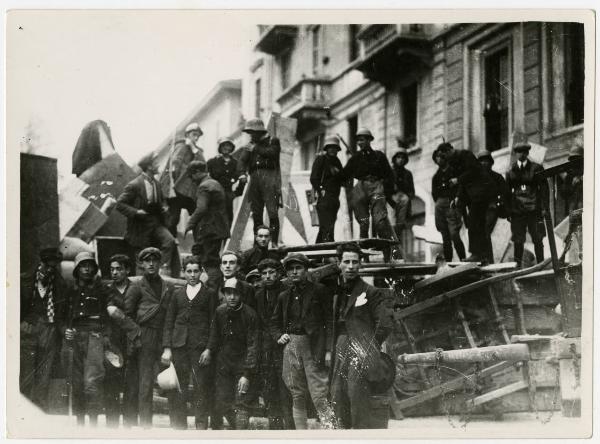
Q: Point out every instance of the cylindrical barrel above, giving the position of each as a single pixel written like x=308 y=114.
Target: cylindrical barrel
x=512 y=352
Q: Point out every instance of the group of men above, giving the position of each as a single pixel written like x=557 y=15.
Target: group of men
x=288 y=340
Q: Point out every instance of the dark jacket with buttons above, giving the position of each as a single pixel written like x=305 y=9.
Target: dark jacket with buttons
x=234 y=338
x=88 y=304
x=146 y=307
x=224 y=173
x=370 y=163
x=326 y=174
x=316 y=316
x=527 y=190
x=263 y=154
x=187 y=323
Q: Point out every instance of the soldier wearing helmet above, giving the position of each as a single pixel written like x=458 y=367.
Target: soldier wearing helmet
x=375 y=186
x=176 y=184
x=326 y=180
x=404 y=187
x=259 y=160
x=223 y=169
x=573 y=180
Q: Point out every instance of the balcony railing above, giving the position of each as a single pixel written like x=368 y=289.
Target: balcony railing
x=275 y=38
x=373 y=37
x=306 y=99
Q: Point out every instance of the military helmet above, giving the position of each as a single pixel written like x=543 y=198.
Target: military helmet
x=224 y=140
x=332 y=141
x=576 y=152
x=254 y=125
x=365 y=132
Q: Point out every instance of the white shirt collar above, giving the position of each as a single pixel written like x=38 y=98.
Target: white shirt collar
x=522 y=164
x=192 y=291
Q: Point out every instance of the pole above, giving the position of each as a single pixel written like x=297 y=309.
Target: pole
x=497 y=353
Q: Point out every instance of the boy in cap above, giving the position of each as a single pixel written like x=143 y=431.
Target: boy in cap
x=185 y=337
x=326 y=180
x=362 y=321
x=142 y=203
x=375 y=186
x=250 y=258
x=528 y=192
x=259 y=160
x=223 y=168
x=278 y=401
x=88 y=333
x=43 y=301
x=146 y=301
x=404 y=188
x=301 y=322
x=176 y=184
x=208 y=222
x=233 y=344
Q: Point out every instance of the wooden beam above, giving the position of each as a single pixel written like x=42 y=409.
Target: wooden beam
x=496 y=353
x=499 y=393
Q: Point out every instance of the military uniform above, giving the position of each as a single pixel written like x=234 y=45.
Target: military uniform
x=224 y=170
x=404 y=191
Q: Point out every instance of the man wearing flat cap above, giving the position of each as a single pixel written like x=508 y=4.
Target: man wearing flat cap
x=528 y=194
x=326 y=180
x=375 y=186
x=88 y=333
x=142 y=203
x=208 y=223
x=223 y=168
x=43 y=301
x=146 y=302
x=259 y=160
x=301 y=323
x=177 y=186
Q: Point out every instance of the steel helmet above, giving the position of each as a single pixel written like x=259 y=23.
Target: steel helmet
x=254 y=125
x=84 y=256
x=332 y=141
x=224 y=140
x=365 y=132
x=575 y=152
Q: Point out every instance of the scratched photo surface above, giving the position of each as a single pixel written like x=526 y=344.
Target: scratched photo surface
x=299 y=223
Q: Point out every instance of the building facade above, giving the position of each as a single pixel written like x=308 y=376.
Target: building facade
x=415 y=85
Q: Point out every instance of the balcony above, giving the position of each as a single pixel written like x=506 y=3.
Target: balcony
x=306 y=99
x=275 y=38
x=392 y=51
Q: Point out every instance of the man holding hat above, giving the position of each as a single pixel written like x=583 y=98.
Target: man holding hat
x=363 y=319
x=259 y=159
x=142 y=203
x=528 y=192
x=278 y=401
x=208 y=222
x=233 y=343
x=404 y=188
x=146 y=301
x=43 y=302
x=498 y=206
x=375 y=186
x=301 y=323
x=326 y=180
x=88 y=333
x=223 y=168
x=176 y=184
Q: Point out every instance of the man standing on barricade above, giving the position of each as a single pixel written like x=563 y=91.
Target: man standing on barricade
x=146 y=301
x=404 y=189
x=362 y=375
x=223 y=169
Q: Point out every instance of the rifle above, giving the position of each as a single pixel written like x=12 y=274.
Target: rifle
x=69 y=380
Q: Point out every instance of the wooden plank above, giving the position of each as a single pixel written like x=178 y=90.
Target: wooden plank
x=448 y=276
x=497 y=315
x=88 y=223
x=499 y=393
x=464 y=323
x=495 y=353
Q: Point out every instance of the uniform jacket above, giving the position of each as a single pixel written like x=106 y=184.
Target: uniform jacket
x=326 y=174
x=246 y=291
x=316 y=313
x=88 y=303
x=146 y=307
x=368 y=314
x=34 y=308
x=224 y=173
x=234 y=338
x=403 y=181
x=176 y=171
x=251 y=257
x=502 y=201
x=441 y=186
x=475 y=184
x=261 y=155
x=527 y=191
x=209 y=219
x=187 y=323
x=373 y=163
x=133 y=198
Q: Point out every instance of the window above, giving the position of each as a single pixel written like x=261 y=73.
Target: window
x=284 y=66
x=316 y=42
x=257 y=97
x=497 y=98
x=354 y=43
x=309 y=151
x=408 y=104
x=574 y=73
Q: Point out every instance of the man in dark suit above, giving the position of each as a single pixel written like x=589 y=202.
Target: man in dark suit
x=528 y=192
x=177 y=186
x=362 y=321
x=146 y=301
x=301 y=322
x=185 y=337
x=250 y=258
x=326 y=180
x=208 y=222
x=223 y=168
x=43 y=301
x=142 y=203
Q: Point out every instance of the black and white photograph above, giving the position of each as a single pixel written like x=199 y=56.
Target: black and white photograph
x=292 y=224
